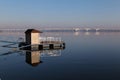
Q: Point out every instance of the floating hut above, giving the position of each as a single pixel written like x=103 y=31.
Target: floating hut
x=32 y=36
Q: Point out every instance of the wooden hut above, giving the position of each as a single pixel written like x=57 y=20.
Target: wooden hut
x=32 y=36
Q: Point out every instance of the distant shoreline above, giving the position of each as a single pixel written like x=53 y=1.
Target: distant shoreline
x=64 y=30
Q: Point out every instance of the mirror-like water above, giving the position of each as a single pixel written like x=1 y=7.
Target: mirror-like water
x=87 y=56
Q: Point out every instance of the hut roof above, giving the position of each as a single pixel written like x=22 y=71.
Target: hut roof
x=32 y=31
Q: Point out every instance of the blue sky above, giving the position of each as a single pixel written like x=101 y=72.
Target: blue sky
x=59 y=13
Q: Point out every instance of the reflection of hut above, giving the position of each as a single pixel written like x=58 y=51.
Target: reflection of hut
x=33 y=58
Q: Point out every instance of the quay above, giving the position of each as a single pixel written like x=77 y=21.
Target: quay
x=35 y=42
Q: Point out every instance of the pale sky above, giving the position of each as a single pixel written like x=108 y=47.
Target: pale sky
x=59 y=13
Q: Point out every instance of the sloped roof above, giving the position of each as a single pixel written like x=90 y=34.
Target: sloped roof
x=32 y=31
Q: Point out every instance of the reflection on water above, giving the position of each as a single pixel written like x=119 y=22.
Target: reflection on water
x=76 y=33
x=49 y=53
x=87 y=33
x=33 y=57
x=97 y=33
x=86 y=57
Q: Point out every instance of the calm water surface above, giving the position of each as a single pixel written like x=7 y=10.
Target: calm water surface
x=87 y=56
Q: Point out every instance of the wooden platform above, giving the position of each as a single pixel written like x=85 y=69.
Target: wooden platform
x=45 y=45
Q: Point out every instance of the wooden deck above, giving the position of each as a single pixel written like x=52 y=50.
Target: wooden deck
x=44 y=45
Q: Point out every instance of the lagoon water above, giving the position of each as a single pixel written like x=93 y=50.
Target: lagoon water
x=87 y=56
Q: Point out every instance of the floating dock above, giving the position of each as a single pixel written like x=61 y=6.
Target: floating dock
x=35 y=42
x=43 y=46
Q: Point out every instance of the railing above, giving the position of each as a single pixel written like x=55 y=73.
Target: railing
x=50 y=39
